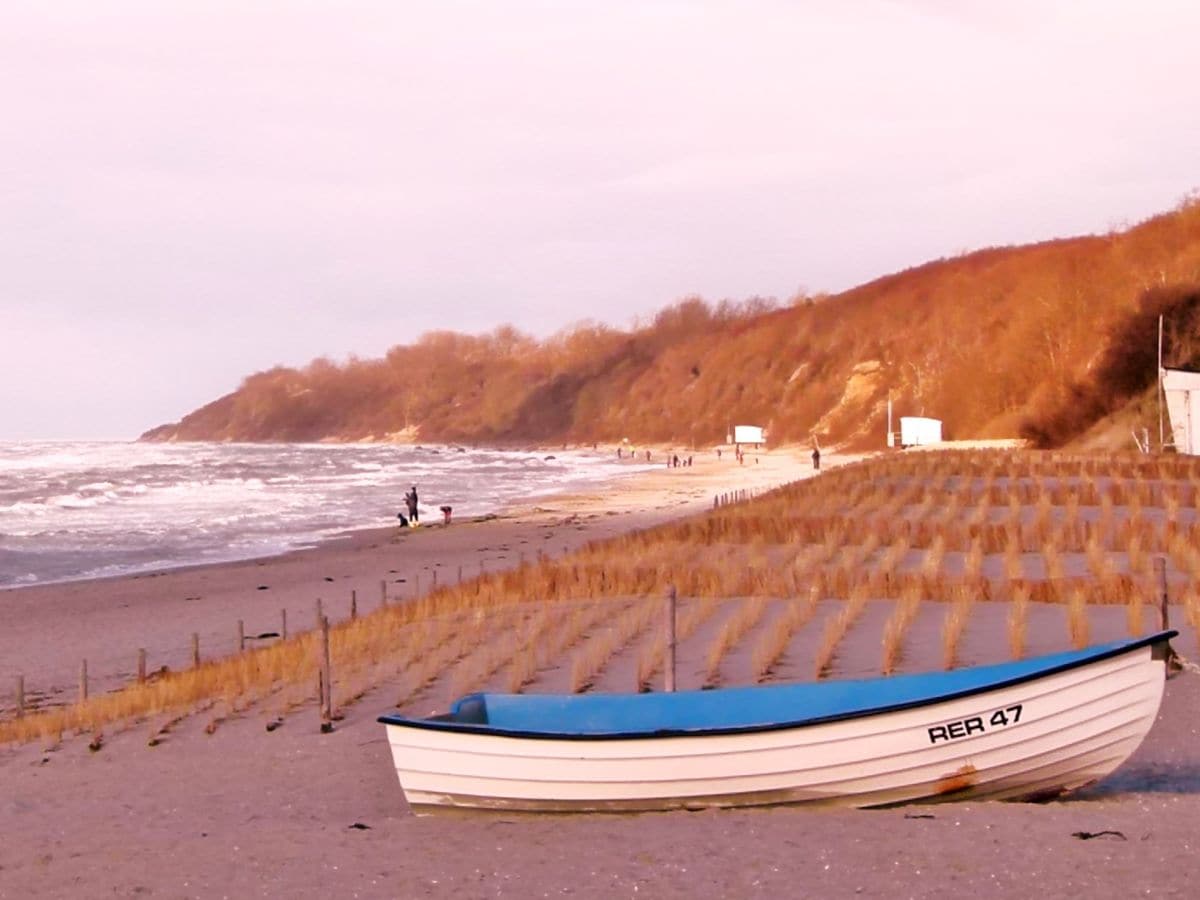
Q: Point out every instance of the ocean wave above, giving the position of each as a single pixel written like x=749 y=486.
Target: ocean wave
x=125 y=507
x=81 y=501
x=96 y=486
x=25 y=508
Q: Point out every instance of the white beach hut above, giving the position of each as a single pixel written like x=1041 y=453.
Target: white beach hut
x=916 y=431
x=749 y=434
x=1182 y=392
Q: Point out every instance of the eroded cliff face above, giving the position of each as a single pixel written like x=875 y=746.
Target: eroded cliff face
x=991 y=343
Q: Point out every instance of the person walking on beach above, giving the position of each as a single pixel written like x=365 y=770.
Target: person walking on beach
x=411 y=500
x=816 y=455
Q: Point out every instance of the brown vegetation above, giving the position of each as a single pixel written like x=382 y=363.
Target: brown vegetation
x=1018 y=617
x=774 y=643
x=743 y=619
x=955 y=623
x=897 y=626
x=1077 y=620
x=988 y=342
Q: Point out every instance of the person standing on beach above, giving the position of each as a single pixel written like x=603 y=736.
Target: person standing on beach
x=816 y=455
x=411 y=500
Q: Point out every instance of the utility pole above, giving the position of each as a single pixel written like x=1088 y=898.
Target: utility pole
x=1159 y=392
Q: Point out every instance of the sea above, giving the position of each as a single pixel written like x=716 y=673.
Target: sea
x=84 y=509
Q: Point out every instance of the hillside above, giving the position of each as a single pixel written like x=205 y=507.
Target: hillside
x=1043 y=340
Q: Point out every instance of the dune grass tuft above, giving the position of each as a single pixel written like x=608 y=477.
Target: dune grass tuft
x=1018 y=618
x=954 y=624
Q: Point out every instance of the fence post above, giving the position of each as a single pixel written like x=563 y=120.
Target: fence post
x=320 y=612
x=83 y=681
x=383 y=592
x=1160 y=572
x=141 y=665
x=241 y=636
x=669 y=664
x=195 y=649
x=354 y=604
x=323 y=661
x=20 y=696
x=434 y=588
x=460 y=573
x=283 y=624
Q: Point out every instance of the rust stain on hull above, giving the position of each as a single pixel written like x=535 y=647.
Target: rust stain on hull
x=962 y=779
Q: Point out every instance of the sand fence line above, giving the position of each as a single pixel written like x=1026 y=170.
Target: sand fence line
x=25 y=700
x=241 y=642
x=742 y=495
x=318 y=649
x=321 y=627
x=245 y=644
x=322 y=624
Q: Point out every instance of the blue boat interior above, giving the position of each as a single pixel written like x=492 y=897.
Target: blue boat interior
x=745 y=708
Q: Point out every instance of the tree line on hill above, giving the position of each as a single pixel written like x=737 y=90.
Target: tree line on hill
x=1039 y=341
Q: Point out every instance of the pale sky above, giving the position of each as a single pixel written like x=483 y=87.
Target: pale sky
x=194 y=191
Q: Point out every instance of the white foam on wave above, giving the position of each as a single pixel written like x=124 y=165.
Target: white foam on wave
x=24 y=508
x=127 y=507
x=76 y=501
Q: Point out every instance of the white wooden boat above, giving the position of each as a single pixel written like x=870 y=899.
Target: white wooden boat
x=1028 y=729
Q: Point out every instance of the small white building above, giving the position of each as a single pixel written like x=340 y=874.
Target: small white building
x=1182 y=391
x=749 y=434
x=916 y=431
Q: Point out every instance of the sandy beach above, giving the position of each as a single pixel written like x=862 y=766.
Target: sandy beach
x=247 y=812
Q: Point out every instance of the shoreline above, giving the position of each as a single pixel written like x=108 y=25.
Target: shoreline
x=612 y=485
x=46 y=630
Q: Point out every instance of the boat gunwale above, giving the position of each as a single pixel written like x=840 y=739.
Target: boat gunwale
x=450 y=726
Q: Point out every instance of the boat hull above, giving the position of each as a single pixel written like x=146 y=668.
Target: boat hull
x=1035 y=739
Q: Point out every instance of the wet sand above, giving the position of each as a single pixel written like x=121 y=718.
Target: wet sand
x=245 y=812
